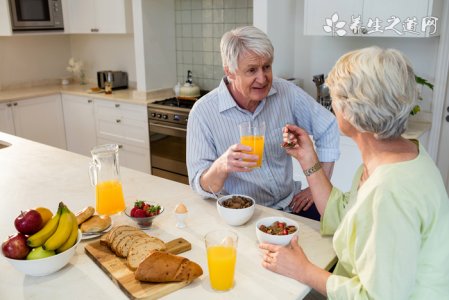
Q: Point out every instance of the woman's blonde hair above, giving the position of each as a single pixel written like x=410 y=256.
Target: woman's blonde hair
x=243 y=40
x=374 y=89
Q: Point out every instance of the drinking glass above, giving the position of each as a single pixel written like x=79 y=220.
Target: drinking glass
x=104 y=173
x=252 y=134
x=221 y=246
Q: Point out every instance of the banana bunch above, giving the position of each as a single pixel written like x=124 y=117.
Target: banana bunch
x=59 y=234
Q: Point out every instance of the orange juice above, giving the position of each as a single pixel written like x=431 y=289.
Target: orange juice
x=221 y=263
x=109 y=197
x=255 y=142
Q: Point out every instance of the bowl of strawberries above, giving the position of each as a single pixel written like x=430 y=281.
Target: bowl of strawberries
x=143 y=212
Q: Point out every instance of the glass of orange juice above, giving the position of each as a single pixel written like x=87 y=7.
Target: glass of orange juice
x=252 y=134
x=104 y=174
x=221 y=246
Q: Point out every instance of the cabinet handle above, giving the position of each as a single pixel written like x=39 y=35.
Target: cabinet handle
x=117 y=105
x=89 y=101
x=15 y=104
x=118 y=121
x=9 y=105
x=94 y=30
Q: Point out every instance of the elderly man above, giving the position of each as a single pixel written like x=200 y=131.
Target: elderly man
x=216 y=161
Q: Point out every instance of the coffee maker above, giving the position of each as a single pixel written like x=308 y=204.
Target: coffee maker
x=323 y=97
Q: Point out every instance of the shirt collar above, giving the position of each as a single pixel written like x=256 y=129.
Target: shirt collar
x=227 y=101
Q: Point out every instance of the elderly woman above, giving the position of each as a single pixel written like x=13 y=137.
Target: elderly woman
x=391 y=231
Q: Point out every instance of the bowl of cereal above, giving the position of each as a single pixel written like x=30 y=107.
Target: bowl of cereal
x=236 y=209
x=276 y=230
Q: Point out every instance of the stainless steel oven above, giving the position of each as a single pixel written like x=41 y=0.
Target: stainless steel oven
x=167 y=121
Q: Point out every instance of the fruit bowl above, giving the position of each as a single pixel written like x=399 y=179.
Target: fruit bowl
x=235 y=216
x=275 y=239
x=143 y=222
x=45 y=266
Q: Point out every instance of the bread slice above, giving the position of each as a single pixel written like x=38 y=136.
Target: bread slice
x=125 y=244
x=107 y=237
x=165 y=267
x=139 y=250
x=118 y=230
x=118 y=238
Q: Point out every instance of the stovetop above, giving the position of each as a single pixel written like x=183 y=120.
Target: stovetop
x=175 y=102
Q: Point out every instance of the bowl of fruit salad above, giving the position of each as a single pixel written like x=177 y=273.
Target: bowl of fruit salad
x=143 y=212
x=276 y=230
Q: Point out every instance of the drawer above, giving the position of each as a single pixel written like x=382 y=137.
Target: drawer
x=137 y=158
x=116 y=110
x=127 y=131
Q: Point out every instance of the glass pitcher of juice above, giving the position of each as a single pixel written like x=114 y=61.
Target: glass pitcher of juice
x=104 y=171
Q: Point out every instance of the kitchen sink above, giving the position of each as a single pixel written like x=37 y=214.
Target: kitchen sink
x=4 y=144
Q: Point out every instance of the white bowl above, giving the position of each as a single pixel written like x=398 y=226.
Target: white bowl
x=235 y=216
x=45 y=266
x=275 y=239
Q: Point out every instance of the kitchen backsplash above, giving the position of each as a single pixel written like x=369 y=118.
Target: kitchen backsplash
x=200 y=25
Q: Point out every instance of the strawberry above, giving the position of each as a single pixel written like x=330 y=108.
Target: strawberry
x=139 y=203
x=138 y=213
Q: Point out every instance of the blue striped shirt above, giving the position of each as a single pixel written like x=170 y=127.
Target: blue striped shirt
x=213 y=128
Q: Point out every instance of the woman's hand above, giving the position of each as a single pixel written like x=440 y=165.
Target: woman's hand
x=287 y=260
x=302 y=149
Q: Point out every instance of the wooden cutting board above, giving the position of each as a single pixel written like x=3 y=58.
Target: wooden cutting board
x=116 y=268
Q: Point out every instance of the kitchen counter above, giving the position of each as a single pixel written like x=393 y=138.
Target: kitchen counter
x=34 y=174
x=414 y=131
x=127 y=95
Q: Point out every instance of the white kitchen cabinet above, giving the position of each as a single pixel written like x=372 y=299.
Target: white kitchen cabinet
x=5 y=18
x=100 y=16
x=38 y=119
x=127 y=125
x=6 y=118
x=136 y=158
x=344 y=168
x=79 y=120
x=384 y=18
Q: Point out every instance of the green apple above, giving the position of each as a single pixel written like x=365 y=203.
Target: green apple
x=39 y=252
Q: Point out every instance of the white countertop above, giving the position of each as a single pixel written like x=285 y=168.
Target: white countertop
x=414 y=131
x=126 y=95
x=32 y=174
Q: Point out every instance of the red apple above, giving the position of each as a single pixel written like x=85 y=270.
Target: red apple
x=16 y=246
x=28 y=222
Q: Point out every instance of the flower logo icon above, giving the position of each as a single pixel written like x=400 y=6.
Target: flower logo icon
x=334 y=26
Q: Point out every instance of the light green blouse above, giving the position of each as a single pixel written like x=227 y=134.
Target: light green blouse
x=391 y=236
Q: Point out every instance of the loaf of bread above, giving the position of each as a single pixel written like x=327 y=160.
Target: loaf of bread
x=166 y=267
x=85 y=214
x=96 y=223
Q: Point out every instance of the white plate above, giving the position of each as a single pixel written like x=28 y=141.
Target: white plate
x=92 y=235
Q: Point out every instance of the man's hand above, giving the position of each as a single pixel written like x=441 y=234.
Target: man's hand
x=302 y=201
x=235 y=160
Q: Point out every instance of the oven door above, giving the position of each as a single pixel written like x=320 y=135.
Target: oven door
x=168 y=150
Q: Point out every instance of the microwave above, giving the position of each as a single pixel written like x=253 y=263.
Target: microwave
x=28 y=15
